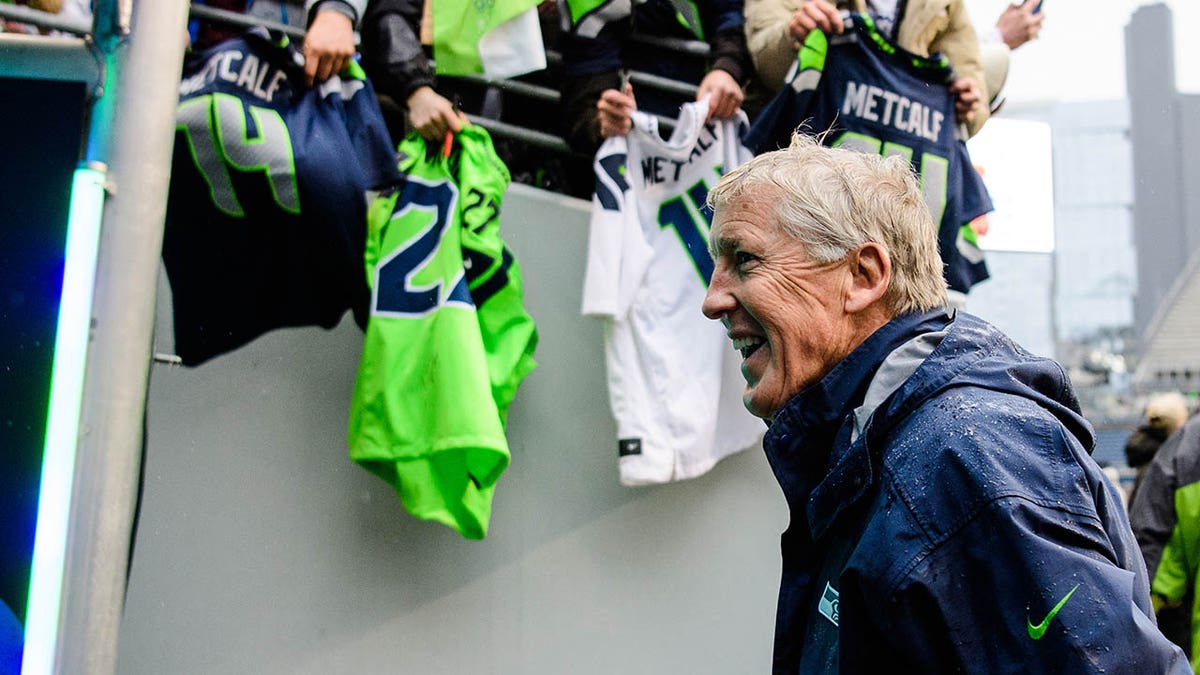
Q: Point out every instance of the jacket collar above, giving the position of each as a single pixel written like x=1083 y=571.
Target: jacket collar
x=812 y=432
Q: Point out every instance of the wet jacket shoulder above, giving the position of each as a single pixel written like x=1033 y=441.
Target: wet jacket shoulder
x=979 y=535
x=927 y=26
x=988 y=479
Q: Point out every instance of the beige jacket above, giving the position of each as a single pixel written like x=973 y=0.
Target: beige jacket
x=927 y=26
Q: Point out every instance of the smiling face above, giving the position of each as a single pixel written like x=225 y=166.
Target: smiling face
x=786 y=313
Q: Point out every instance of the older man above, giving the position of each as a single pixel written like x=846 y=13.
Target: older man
x=938 y=476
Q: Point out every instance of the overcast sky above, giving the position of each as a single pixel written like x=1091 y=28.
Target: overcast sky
x=1080 y=56
x=1081 y=52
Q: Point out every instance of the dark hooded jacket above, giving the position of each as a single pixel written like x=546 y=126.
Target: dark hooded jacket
x=946 y=516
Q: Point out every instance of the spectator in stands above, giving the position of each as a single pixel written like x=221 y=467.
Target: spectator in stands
x=537 y=165
x=946 y=515
x=776 y=28
x=595 y=106
x=49 y=6
x=413 y=98
x=1165 y=413
x=204 y=34
x=403 y=77
x=1153 y=516
x=76 y=10
x=1016 y=25
x=329 y=41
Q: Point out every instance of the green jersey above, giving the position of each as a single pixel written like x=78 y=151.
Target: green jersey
x=448 y=340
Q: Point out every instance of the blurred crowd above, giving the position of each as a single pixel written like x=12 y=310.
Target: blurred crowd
x=1164 y=450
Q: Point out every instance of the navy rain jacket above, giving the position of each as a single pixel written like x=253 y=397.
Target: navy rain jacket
x=954 y=521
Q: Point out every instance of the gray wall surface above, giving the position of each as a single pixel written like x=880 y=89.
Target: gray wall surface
x=262 y=548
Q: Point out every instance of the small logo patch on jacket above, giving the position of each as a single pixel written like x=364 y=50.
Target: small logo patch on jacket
x=629 y=446
x=828 y=607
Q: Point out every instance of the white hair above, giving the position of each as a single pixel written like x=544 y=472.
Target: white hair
x=833 y=201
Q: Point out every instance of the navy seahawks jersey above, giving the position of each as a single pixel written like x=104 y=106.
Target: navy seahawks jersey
x=267 y=209
x=872 y=96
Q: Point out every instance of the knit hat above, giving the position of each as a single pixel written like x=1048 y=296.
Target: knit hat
x=1167 y=410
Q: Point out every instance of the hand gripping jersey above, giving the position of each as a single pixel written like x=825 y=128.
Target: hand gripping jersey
x=674 y=384
x=874 y=97
x=266 y=214
x=448 y=340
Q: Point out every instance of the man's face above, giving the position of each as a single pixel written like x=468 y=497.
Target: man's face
x=784 y=312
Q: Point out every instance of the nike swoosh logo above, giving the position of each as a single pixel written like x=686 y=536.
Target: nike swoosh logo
x=1036 y=632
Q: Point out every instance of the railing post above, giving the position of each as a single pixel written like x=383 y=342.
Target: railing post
x=143 y=97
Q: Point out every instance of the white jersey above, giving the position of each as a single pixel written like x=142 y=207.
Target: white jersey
x=674 y=381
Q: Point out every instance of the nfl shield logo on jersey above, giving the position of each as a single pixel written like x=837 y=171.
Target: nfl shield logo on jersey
x=629 y=446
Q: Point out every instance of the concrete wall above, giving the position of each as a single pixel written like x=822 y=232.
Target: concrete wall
x=263 y=549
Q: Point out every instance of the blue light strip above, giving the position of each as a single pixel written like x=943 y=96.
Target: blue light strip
x=62 y=422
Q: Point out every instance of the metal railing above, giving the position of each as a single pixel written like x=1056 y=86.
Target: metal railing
x=241 y=20
x=36 y=17
x=534 y=137
x=51 y=58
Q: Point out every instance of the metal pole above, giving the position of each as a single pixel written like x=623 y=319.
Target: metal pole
x=118 y=361
x=536 y=138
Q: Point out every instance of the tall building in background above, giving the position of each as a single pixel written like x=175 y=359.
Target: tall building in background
x=1161 y=235
x=1075 y=297
x=1166 y=210
x=1096 y=267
